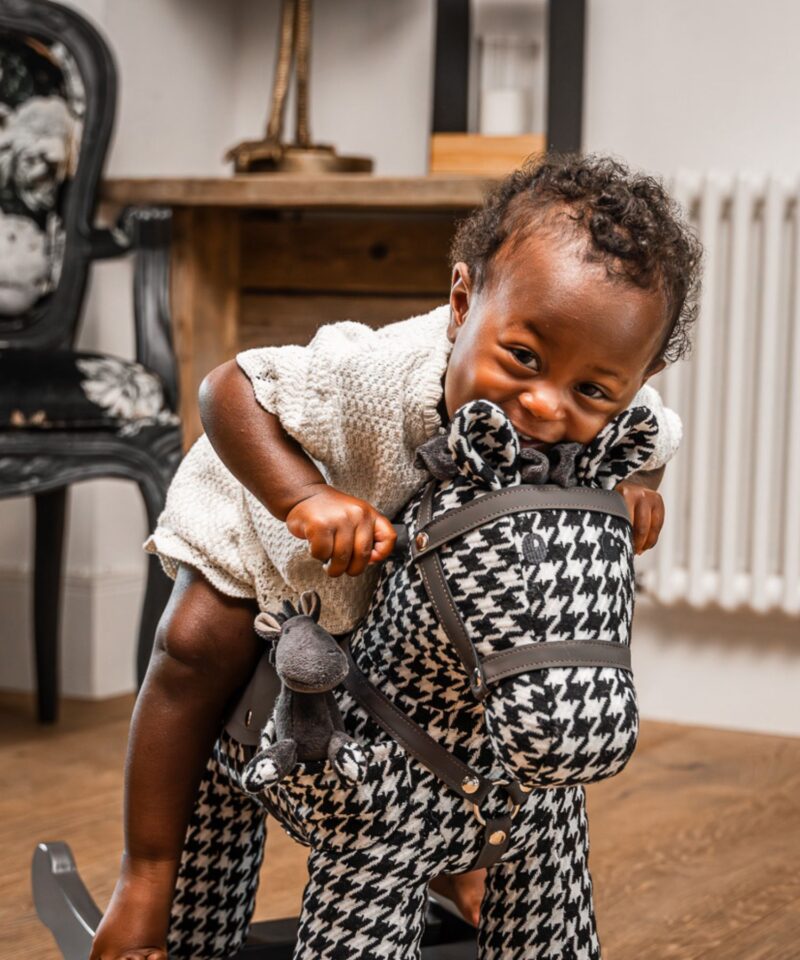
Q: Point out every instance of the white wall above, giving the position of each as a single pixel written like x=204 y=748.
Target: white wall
x=695 y=83
x=371 y=69
x=675 y=83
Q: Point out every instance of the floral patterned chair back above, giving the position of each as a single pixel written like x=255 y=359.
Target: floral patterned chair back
x=57 y=101
x=57 y=97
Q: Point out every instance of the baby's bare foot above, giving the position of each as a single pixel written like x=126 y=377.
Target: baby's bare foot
x=465 y=890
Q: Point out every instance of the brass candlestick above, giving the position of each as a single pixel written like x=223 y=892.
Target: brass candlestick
x=271 y=154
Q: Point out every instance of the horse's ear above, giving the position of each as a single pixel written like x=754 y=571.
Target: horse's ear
x=621 y=448
x=485 y=445
x=267 y=625
x=310 y=604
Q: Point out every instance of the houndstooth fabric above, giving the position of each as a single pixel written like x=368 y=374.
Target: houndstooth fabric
x=620 y=449
x=218 y=875
x=541 y=576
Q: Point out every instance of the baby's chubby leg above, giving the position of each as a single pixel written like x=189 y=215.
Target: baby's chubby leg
x=205 y=650
x=465 y=890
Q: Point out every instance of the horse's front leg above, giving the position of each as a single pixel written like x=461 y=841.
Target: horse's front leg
x=366 y=904
x=539 y=904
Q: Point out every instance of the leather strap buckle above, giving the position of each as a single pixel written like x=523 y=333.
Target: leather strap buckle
x=515 y=796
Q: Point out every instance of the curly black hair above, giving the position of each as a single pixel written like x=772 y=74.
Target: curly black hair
x=635 y=228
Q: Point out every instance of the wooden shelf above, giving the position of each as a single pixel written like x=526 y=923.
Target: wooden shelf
x=282 y=191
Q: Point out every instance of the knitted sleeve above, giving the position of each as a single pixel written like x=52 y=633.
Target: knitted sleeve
x=670 y=428
x=355 y=398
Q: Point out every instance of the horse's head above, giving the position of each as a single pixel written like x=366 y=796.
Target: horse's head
x=550 y=574
x=535 y=576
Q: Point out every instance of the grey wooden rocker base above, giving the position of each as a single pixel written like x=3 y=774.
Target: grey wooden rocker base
x=67 y=909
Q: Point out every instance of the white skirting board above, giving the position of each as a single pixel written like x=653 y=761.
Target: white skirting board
x=737 y=670
x=99 y=627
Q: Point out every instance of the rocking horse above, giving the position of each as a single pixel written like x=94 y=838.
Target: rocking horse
x=489 y=679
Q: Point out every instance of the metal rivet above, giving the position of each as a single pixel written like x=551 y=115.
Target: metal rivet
x=470 y=785
x=497 y=838
x=248 y=718
x=421 y=540
x=477 y=679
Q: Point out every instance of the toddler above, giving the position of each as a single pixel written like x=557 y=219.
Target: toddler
x=572 y=285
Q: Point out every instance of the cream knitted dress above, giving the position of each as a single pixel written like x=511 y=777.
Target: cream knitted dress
x=359 y=401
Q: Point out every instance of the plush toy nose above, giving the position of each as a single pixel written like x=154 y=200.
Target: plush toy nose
x=307 y=657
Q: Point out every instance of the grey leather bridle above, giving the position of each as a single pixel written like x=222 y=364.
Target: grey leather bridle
x=424 y=544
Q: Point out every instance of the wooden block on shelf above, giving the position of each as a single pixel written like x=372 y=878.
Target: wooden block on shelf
x=476 y=153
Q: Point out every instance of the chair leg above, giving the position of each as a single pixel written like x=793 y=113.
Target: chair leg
x=51 y=511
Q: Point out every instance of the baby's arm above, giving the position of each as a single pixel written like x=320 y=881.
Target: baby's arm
x=343 y=531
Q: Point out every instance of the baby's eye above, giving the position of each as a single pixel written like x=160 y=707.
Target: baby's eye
x=593 y=391
x=527 y=358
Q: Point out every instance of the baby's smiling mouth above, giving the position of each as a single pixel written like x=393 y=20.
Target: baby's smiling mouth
x=532 y=442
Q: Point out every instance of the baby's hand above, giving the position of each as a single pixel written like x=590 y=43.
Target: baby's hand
x=646 y=509
x=343 y=532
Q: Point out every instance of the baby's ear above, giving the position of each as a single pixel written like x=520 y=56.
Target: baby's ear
x=653 y=369
x=460 y=287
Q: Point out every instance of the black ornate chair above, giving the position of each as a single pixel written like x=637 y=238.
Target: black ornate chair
x=67 y=416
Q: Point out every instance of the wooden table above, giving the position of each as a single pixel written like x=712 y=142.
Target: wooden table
x=266 y=259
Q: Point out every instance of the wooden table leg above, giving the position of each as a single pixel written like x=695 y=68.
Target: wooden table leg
x=205 y=272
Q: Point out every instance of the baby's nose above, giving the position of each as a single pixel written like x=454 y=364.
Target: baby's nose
x=542 y=401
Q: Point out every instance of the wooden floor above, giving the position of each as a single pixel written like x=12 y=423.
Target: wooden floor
x=695 y=847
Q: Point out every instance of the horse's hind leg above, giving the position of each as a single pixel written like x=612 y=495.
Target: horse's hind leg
x=363 y=905
x=539 y=905
x=218 y=875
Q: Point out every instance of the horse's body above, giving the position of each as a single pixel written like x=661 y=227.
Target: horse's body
x=550 y=575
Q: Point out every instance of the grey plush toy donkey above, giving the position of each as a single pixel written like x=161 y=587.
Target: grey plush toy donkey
x=308 y=725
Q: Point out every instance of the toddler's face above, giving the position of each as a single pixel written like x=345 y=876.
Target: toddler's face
x=550 y=339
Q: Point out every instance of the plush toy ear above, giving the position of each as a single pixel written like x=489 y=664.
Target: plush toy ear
x=267 y=626
x=310 y=604
x=287 y=610
x=621 y=448
x=484 y=445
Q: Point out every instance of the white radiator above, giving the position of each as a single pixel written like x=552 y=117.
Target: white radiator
x=732 y=494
